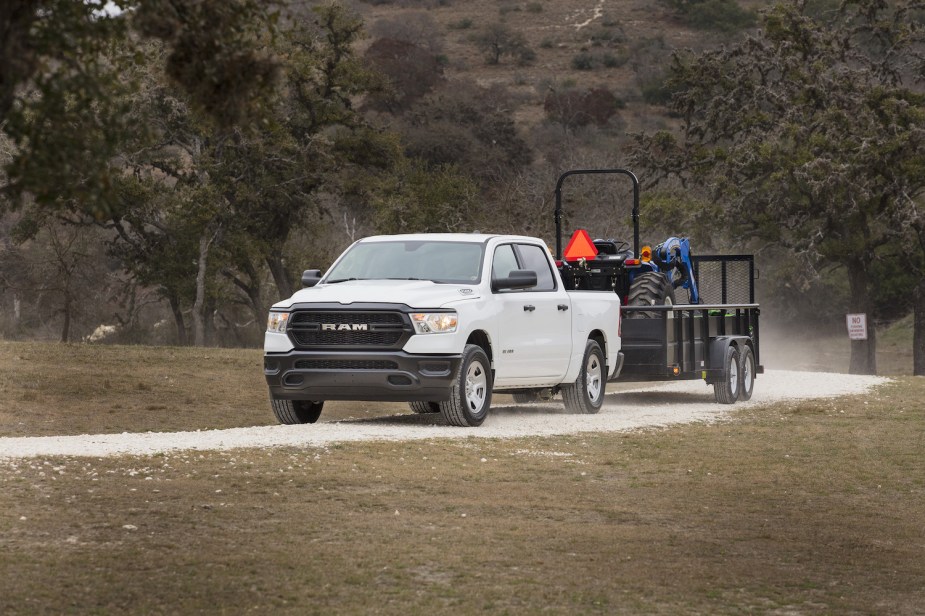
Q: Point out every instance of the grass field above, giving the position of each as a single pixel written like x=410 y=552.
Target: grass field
x=801 y=508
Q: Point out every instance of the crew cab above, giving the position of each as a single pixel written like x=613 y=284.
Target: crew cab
x=440 y=321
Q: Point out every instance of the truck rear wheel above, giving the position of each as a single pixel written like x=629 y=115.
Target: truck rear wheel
x=650 y=289
x=296 y=411
x=586 y=394
x=746 y=373
x=425 y=407
x=727 y=388
x=470 y=396
x=525 y=396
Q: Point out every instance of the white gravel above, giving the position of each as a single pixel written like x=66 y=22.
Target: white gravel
x=655 y=405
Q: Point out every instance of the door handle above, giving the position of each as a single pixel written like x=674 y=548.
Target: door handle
x=529 y=308
x=563 y=307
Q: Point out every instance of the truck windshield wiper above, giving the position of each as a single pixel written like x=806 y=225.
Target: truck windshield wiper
x=404 y=278
x=341 y=280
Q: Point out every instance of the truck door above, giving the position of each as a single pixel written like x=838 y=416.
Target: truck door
x=536 y=326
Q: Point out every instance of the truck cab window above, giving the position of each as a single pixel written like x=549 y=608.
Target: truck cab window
x=534 y=258
x=504 y=262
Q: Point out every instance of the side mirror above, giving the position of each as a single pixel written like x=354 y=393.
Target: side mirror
x=517 y=279
x=310 y=278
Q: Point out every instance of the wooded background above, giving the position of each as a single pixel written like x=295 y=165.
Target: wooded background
x=169 y=167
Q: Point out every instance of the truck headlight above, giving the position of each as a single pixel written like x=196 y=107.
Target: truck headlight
x=434 y=322
x=277 y=321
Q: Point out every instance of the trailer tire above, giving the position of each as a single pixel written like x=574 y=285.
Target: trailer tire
x=650 y=289
x=296 y=411
x=746 y=373
x=727 y=388
x=586 y=394
x=424 y=407
x=470 y=395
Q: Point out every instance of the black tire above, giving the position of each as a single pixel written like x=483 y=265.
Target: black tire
x=526 y=396
x=650 y=289
x=425 y=407
x=746 y=374
x=586 y=394
x=470 y=396
x=727 y=389
x=296 y=411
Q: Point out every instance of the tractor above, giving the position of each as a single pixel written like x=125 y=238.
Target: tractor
x=641 y=276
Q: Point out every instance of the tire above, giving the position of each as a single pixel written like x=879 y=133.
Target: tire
x=296 y=411
x=727 y=389
x=470 y=395
x=425 y=407
x=586 y=394
x=650 y=289
x=526 y=396
x=746 y=374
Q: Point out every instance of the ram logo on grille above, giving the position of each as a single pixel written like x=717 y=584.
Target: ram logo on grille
x=345 y=327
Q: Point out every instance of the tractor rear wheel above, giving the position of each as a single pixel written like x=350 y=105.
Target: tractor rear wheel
x=650 y=289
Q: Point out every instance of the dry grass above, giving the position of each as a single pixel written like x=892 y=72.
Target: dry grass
x=808 y=508
x=53 y=389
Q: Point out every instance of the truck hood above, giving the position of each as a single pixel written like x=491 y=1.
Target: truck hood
x=414 y=293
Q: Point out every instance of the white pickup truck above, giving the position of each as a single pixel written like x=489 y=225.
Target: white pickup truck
x=440 y=321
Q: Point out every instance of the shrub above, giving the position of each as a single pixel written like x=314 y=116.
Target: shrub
x=720 y=15
x=583 y=61
x=534 y=7
x=573 y=108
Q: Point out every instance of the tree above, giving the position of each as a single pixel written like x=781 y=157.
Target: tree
x=497 y=41
x=809 y=133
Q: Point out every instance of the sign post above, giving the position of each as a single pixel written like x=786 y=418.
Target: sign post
x=857 y=326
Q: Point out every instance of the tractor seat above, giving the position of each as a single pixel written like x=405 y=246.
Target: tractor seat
x=612 y=250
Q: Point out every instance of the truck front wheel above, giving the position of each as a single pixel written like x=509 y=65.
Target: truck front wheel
x=470 y=395
x=296 y=411
x=586 y=394
x=424 y=407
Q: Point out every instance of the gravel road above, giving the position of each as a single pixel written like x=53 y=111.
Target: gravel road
x=646 y=406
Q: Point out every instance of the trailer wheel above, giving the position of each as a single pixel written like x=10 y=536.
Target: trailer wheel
x=650 y=289
x=727 y=388
x=296 y=411
x=747 y=373
x=586 y=394
x=525 y=396
x=425 y=407
x=470 y=396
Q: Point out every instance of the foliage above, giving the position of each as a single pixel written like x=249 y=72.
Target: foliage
x=497 y=41
x=412 y=72
x=573 y=108
x=418 y=198
x=725 y=16
x=807 y=134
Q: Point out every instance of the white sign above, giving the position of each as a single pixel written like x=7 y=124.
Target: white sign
x=857 y=326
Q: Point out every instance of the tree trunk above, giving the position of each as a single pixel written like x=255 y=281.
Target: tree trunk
x=280 y=275
x=182 y=340
x=918 y=332
x=199 y=334
x=863 y=352
x=208 y=318
x=66 y=329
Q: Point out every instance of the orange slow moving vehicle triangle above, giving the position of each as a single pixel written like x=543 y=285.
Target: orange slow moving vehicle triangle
x=580 y=247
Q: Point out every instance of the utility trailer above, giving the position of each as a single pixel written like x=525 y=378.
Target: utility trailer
x=715 y=339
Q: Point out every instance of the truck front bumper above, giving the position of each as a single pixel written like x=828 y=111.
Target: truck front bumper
x=393 y=376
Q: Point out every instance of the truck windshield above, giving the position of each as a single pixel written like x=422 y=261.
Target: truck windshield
x=441 y=262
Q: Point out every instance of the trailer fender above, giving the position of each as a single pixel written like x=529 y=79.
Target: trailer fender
x=718 y=348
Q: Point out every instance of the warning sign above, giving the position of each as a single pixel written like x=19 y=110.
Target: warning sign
x=857 y=326
x=580 y=247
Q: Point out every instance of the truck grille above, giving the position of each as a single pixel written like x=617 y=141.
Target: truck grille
x=342 y=328
x=345 y=364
